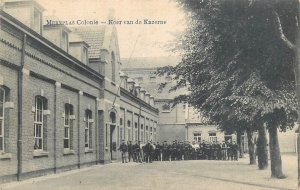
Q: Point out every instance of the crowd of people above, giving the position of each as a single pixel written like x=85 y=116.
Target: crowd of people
x=152 y=151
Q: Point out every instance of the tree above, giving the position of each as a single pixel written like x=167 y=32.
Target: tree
x=239 y=62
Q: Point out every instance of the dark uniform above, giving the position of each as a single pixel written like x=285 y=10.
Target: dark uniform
x=136 y=152
x=235 y=149
x=130 y=151
x=224 y=151
x=229 y=151
x=123 y=149
x=165 y=151
x=148 y=152
x=158 y=152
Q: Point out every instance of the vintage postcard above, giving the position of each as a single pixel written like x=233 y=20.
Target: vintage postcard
x=152 y=94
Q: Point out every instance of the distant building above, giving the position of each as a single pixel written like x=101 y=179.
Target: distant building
x=61 y=102
x=176 y=122
x=183 y=122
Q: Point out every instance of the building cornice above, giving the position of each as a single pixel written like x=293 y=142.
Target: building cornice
x=49 y=45
x=138 y=100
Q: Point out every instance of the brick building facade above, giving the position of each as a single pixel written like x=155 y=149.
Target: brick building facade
x=63 y=103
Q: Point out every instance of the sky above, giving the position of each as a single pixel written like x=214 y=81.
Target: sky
x=140 y=40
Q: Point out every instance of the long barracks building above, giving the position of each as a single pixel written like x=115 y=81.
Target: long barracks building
x=63 y=102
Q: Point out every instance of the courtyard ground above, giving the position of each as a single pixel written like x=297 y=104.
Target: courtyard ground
x=183 y=175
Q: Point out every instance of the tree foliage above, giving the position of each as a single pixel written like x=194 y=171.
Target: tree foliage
x=236 y=63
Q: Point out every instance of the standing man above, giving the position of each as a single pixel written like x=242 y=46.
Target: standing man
x=137 y=152
x=235 y=150
x=123 y=149
x=158 y=150
x=224 y=150
x=130 y=151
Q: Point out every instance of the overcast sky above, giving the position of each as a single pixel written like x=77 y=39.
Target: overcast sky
x=150 y=39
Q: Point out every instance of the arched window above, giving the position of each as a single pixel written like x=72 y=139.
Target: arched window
x=39 y=130
x=68 y=128
x=112 y=118
x=88 y=129
x=2 y=100
x=113 y=67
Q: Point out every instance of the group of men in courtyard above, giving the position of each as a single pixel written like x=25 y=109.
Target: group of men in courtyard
x=178 y=151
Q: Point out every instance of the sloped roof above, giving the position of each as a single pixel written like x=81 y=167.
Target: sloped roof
x=164 y=93
x=138 y=66
x=149 y=62
x=94 y=36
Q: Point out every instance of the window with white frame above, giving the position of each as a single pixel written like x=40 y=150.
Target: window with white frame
x=2 y=100
x=40 y=105
x=212 y=137
x=151 y=130
x=227 y=137
x=68 y=126
x=197 y=137
x=88 y=129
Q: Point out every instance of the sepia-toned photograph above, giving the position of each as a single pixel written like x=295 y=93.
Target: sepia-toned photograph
x=149 y=94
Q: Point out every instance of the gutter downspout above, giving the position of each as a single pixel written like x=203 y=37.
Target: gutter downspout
x=20 y=107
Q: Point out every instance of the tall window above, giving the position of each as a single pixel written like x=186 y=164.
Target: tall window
x=88 y=129
x=121 y=133
x=113 y=65
x=68 y=125
x=197 y=137
x=129 y=130
x=135 y=131
x=38 y=122
x=2 y=100
x=212 y=137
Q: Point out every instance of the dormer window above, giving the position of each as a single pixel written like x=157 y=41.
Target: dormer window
x=27 y=12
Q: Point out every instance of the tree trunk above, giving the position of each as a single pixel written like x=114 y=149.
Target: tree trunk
x=251 y=147
x=298 y=151
x=262 y=148
x=276 y=165
x=239 y=142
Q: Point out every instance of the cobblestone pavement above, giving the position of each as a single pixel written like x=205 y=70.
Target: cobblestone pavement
x=183 y=175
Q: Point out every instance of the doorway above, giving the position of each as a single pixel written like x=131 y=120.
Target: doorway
x=113 y=136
